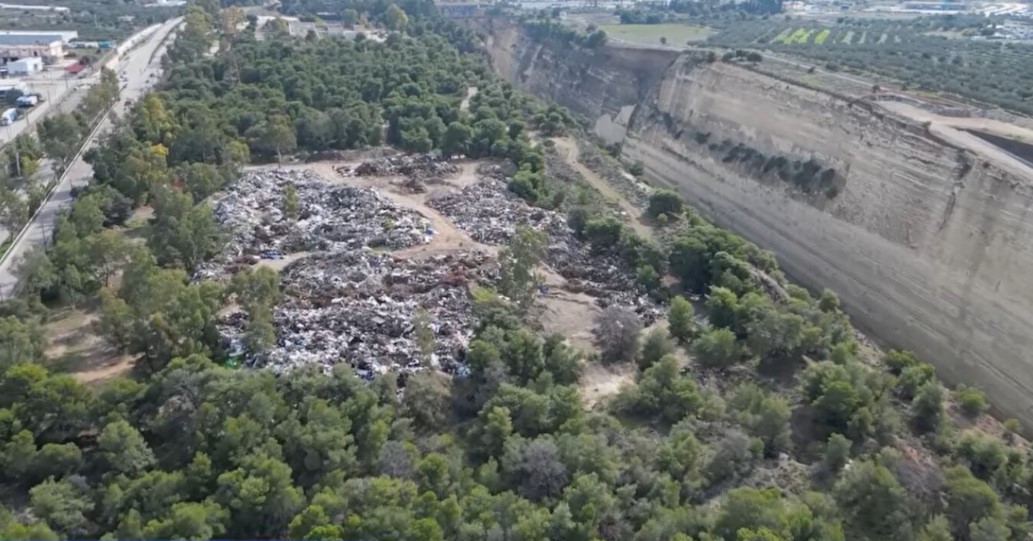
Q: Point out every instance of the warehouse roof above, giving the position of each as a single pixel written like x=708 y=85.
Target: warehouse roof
x=29 y=39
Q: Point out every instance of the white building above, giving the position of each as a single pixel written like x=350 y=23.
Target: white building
x=15 y=44
x=25 y=66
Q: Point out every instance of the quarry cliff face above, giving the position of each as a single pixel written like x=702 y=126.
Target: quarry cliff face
x=604 y=84
x=929 y=246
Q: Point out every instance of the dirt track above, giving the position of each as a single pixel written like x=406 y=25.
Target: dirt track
x=951 y=129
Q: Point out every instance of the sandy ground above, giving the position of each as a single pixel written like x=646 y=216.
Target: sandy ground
x=76 y=349
x=567 y=148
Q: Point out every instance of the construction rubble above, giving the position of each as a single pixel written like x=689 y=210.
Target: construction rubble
x=361 y=306
x=329 y=218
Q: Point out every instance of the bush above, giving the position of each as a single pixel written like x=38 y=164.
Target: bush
x=618 y=333
x=928 y=407
x=679 y=319
x=665 y=202
x=971 y=400
x=657 y=345
x=636 y=169
x=647 y=277
x=717 y=348
x=837 y=452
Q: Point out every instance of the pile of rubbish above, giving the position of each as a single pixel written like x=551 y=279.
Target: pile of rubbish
x=414 y=166
x=490 y=213
x=327 y=218
x=362 y=307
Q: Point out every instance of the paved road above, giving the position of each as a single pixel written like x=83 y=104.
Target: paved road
x=141 y=68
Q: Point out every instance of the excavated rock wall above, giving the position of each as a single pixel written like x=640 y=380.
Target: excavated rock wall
x=929 y=246
x=603 y=84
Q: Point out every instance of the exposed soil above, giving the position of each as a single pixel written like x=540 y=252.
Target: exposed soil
x=76 y=349
x=599 y=382
x=567 y=147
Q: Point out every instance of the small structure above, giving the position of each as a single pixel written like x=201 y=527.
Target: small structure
x=25 y=66
x=48 y=45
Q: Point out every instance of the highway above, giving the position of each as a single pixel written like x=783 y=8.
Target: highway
x=141 y=68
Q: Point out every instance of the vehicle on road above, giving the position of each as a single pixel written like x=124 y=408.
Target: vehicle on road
x=9 y=117
x=27 y=101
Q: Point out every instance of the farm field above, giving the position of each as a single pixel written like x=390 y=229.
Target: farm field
x=650 y=34
x=924 y=54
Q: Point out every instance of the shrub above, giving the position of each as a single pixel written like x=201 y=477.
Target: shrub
x=679 y=318
x=971 y=400
x=657 y=345
x=618 y=333
x=837 y=452
x=717 y=348
x=665 y=202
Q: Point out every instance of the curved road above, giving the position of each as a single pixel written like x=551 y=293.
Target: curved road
x=140 y=68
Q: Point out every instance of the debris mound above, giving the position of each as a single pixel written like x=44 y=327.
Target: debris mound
x=359 y=306
x=328 y=218
x=490 y=213
x=421 y=167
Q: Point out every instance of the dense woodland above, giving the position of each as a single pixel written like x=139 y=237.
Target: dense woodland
x=779 y=430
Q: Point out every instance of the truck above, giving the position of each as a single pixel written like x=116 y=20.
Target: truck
x=29 y=100
x=9 y=117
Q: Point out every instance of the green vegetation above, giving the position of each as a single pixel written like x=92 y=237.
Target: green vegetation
x=189 y=449
x=650 y=34
x=922 y=53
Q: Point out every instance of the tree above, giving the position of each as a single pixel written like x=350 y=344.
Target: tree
x=395 y=18
x=928 y=406
x=116 y=322
x=424 y=335
x=837 y=452
x=21 y=340
x=874 y=503
x=56 y=460
x=188 y=520
x=654 y=348
x=717 y=348
x=518 y=278
x=456 y=139
x=618 y=331
x=969 y=500
x=290 y=202
x=14 y=211
x=679 y=318
x=260 y=497
x=542 y=473
x=124 y=449
x=62 y=505
x=937 y=529
x=259 y=333
x=427 y=401
x=274 y=135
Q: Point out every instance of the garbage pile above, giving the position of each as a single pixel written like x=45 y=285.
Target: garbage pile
x=361 y=307
x=419 y=166
x=328 y=218
x=490 y=213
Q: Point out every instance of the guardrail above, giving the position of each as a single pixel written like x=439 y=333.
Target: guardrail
x=82 y=149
